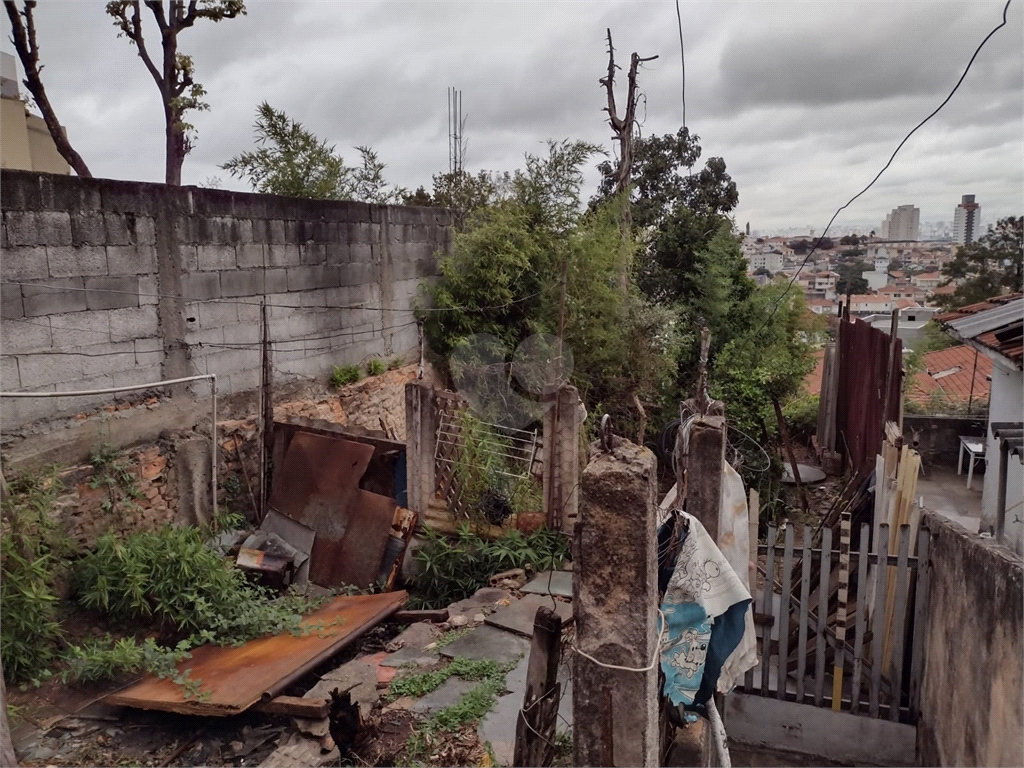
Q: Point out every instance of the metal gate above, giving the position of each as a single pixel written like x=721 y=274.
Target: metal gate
x=843 y=628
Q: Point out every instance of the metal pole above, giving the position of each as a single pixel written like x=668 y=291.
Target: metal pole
x=1004 y=461
x=970 y=399
x=890 y=371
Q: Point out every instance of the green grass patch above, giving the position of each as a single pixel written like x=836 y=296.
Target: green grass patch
x=345 y=374
x=375 y=367
x=425 y=682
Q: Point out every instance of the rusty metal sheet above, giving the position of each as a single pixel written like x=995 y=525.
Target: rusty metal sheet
x=236 y=678
x=318 y=479
x=371 y=518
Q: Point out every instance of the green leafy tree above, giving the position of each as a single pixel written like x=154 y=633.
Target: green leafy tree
x=989 y=267
x=291 y=160
x=175 y=74
x=851 y=278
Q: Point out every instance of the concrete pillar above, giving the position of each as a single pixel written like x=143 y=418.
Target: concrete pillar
x=562 y=423
x=615 y=599
x=420 y=442
x=702 y=462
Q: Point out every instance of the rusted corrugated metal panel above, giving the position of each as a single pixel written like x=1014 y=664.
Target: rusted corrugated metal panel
x=863 y=366
x=236 y=678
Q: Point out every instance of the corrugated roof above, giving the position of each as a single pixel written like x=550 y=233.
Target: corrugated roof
x=996 y=324
x=950 y=371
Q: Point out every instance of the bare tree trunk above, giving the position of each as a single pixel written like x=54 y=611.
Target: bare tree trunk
x=23 y=28
x=7 y=757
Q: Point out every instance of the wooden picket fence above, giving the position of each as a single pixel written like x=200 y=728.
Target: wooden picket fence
x=849 y=636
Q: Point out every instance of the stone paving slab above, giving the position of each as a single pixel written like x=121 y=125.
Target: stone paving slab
x=410 y=644
x=519 y=616
x=486 y=642
x=550 y=583
x=448 y=693
x=410 y=656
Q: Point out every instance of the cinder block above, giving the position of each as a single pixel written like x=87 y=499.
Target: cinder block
x=11 y=305
x=240 y=231
x=242 y=283
x=149 y=289
x=4 y=243
x=216 y=257
x=250 y=254
x=22 y=336
x=243 y=333
x=126 y=324
x=107 y=358
x=112 y=292
x=244 y=381
x=200 y=286
x=66 y=261
x=276 y=231
x=39 y=370
x=232 y=361
x=55 y=297
x=19 y=411
x=70 y=332
x=305 y=278
x=249 y=311
x=338 y=253
x=139 y=375
x=24 y=264
x=149 y=351
x=260 y=231
x=144 y=230
x=279 y=255
x=131 y=260
x=316 y=297
x=198 y=337
x=360 y=274
x=188 y=258
x=10 y=380
x=360 y=253
x=313 y=253
x=80 y=403
x=293 y=232
x=217 y=314
x=88 y=228
x=54 y=227
x=118 y=227
x=275 y=281
x=22 y=229
x=325 y=231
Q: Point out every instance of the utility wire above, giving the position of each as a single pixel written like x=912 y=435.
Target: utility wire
x=682 y=58
x=810 y=253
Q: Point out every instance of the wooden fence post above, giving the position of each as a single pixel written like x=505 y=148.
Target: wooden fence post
x=535 y=727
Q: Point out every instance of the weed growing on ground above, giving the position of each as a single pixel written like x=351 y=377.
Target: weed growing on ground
x=345 y=374
x=113 y=472
x=32 y=552
x=563 y=749
x=451 y=636
x=375 y=367
x=453 y=569
x=396 y=362
x=422 y=684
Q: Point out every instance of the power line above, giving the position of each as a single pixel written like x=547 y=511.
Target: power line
x=682 y=58
x=796 y=274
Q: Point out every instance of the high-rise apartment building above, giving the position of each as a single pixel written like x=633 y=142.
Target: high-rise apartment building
x=903 y=223
x=966 y=221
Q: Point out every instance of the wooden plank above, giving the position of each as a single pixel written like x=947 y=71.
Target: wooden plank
x=805 y=586
x=411 y=617
x=785 y=610
x=845 y=525
x=899 y=621
x=535 y=726
x=294 y=706
x=920 y=606
x=861 y=620
x=822 y=617
x=878 y=626
x=767 y=608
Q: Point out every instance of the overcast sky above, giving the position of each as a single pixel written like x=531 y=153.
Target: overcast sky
x=805 y=101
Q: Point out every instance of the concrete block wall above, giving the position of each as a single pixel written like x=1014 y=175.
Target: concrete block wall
x=108 y=283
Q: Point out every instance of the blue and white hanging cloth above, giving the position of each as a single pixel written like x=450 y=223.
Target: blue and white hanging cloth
x=705 y=607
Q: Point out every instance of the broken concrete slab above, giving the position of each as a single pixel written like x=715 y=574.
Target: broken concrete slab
x=485 y=597
x=550 y=583
x=410 y=657
x=808 y=474
x=487 y=642
x=519 y=616
x=300 y=752
x=417 y=635
x=448 y=693
x=358 y=677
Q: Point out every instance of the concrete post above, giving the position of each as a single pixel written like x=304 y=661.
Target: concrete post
x=703 y=465
x=420 y=442
x=562 y=459
x=615 y=598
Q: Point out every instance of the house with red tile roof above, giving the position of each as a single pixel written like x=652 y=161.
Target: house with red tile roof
x=958 y=376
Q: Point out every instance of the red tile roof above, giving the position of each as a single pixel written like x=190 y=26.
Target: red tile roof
x=813 y=380
x=1007 y=340
x=950 y=372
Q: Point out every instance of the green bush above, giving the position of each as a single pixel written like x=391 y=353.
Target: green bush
x=801 y=417
x=345 y=374
x=375 y=367
x=31 y=557
x=453 y=569
x=395 y=363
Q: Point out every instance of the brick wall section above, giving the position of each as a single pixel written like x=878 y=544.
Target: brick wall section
x=145 y=281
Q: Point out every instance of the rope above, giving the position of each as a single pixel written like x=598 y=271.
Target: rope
x=654 y=661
